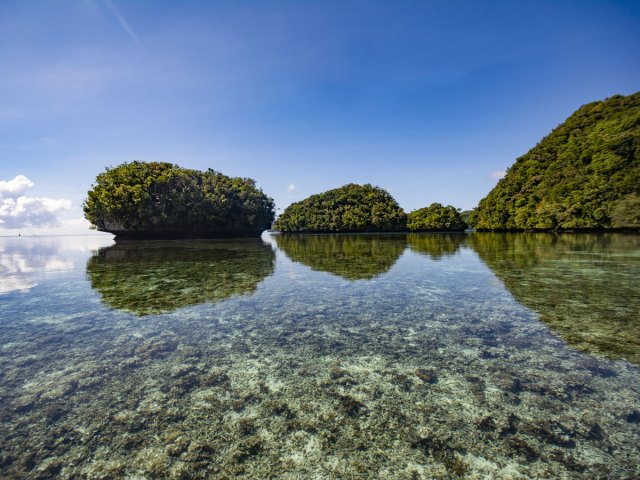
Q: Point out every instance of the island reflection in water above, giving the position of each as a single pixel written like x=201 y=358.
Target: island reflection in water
x=585 y=287
x=151 y=277
x=350 y=256
x=436 y=245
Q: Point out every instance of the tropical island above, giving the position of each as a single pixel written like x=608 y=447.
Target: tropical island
x=364 y=208
x=347 y=209
x=436 y=218
x=140 y=200
x=585 y=175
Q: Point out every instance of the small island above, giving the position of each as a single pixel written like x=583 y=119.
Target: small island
x=156 y=200
x=436 y=218
x=347 y=209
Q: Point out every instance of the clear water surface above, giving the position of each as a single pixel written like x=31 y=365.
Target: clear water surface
x=321 y=357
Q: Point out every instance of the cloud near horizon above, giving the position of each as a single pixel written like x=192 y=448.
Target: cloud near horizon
x=20 y=211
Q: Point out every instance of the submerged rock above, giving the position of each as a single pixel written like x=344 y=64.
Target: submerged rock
x=427 y=376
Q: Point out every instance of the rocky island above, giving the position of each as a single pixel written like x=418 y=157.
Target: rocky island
x=157 y=200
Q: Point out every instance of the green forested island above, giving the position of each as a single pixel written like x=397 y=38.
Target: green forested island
x=436 y=218
x=584 y=175
x=350 y=208
x=162 y=200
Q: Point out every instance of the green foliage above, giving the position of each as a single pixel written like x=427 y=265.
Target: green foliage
x=626 y=212
x=155 y=199
x=466 y=215
x=585 y=174
x=350 y=208
x=436 y=218
x=157 y=277
x=353 y=257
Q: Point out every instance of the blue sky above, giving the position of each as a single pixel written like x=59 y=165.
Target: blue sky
x=427 y=99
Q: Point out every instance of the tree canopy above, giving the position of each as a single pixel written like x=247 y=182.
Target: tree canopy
x=350 y=208
x=155 y=199
x=436 y=218
x=584 y=174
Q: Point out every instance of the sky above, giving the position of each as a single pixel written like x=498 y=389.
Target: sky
x=430 y=100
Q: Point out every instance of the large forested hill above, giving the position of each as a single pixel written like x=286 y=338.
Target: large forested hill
x=584 y=174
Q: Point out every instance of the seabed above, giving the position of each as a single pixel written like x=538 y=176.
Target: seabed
x=421 y=366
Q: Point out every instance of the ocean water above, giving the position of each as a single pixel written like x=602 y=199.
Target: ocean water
x=321 y=357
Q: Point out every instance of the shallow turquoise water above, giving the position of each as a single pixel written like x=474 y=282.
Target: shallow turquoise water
x=360 y=356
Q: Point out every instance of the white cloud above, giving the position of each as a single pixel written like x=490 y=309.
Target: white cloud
x=497 y=174
x=16 y=187
x=291 y=188
x=19 y=211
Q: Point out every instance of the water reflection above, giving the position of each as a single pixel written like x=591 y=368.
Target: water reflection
x=25 y=261
x=436 y=245
x=424 y=373
x=353 y=257
x=161 y=276
x=583 y=286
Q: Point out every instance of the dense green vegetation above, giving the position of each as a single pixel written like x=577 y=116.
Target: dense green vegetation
x=353 y=257
x=350 y=208
x=582 y=286
x=157 y=277
x=154 y=199
x=436 y=218
x=585 y=174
